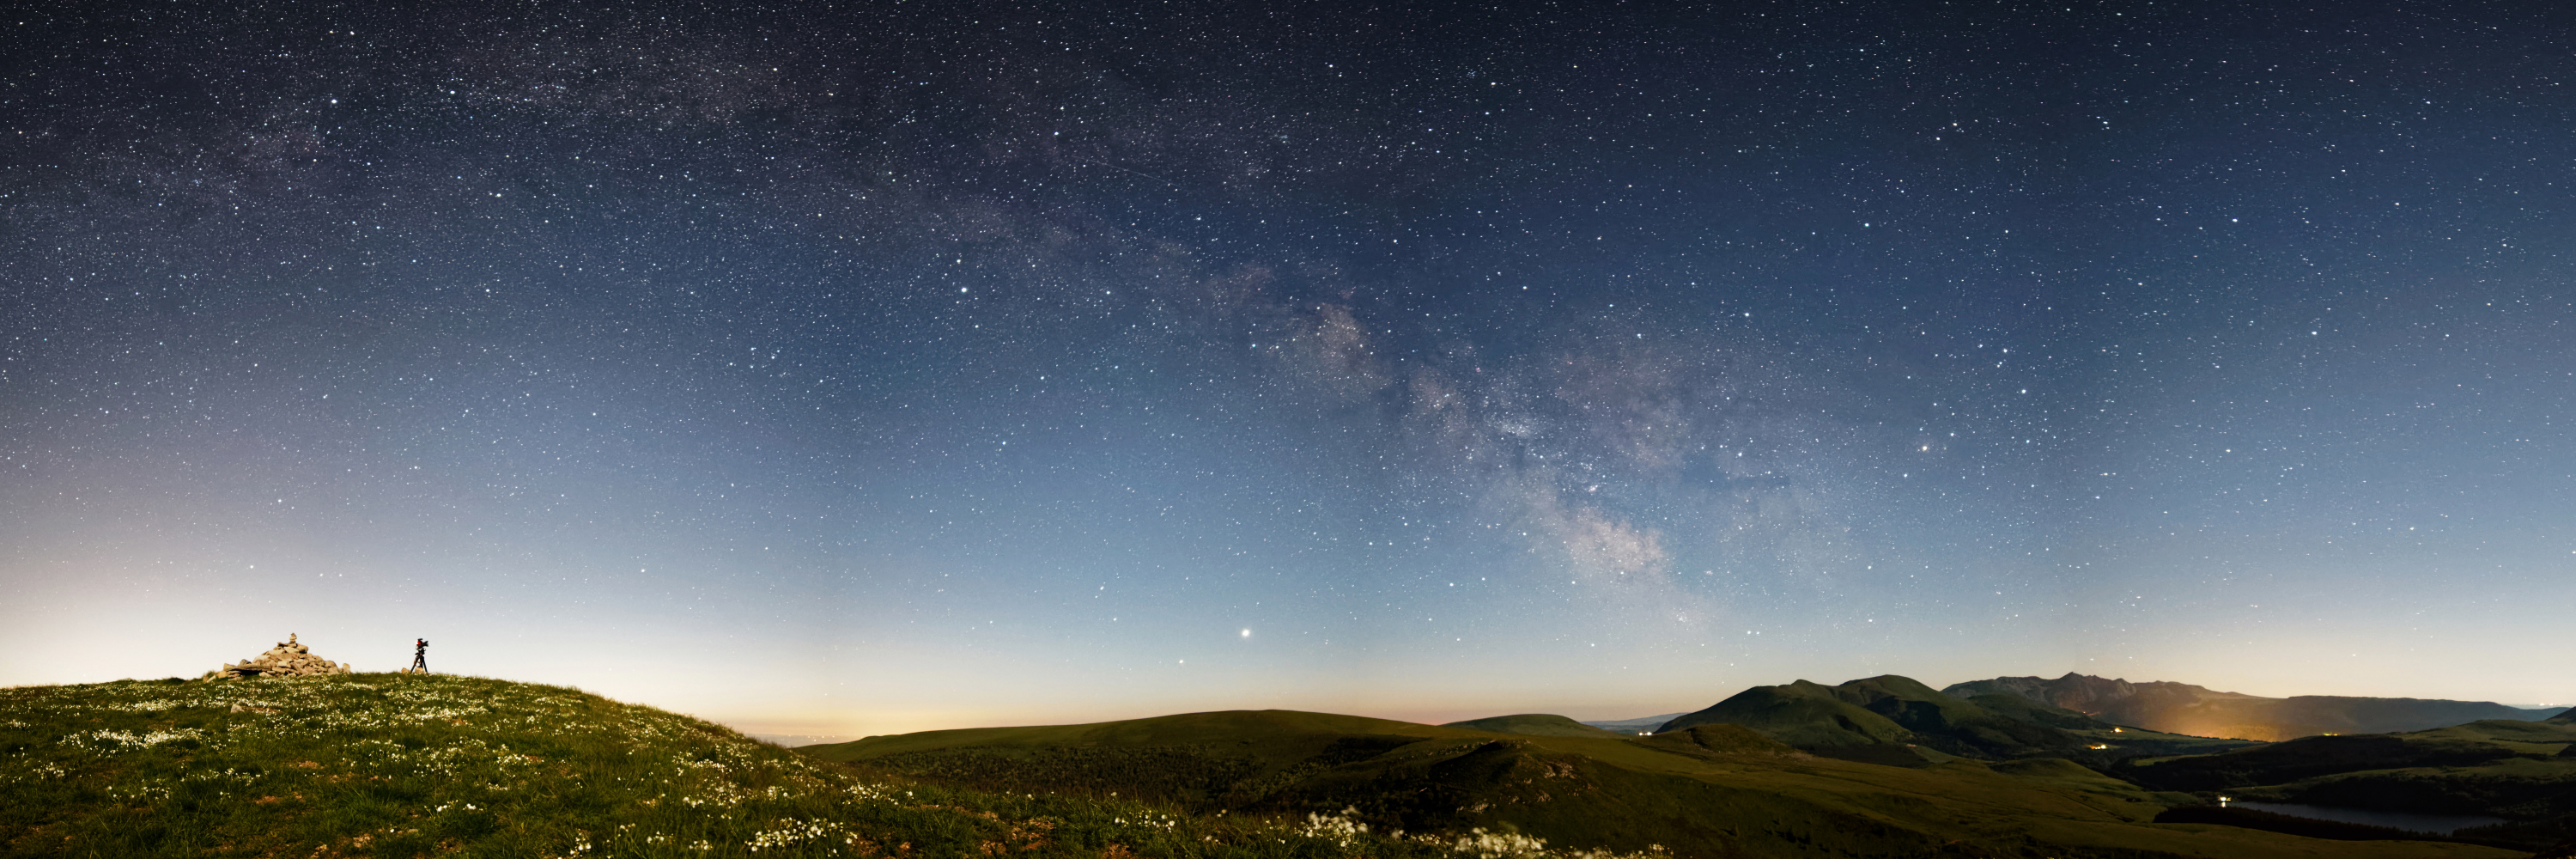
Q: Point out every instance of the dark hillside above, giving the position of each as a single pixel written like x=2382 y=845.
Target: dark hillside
x=1803 y=714
x=2280 y=763
x=2512 y=769
x=2023 y=709
x=1534 y=724
x=390 y=765
x=2182 y=708
x=1893 y=711
x=1719 y=741
x=1958 y=726
x=1715 y=790
x=403 y=766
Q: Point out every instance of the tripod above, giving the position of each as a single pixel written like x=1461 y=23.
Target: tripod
x=420 y=656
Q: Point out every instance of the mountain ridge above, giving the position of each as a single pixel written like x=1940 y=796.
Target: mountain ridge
x=2186 y=709
x=1896 y=720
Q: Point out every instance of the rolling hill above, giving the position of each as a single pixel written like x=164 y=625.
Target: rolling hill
x=2181 y=708
x=1631 y=726
x=393 y=765
x=1533 y=724
x=1894 y=720
x=399 y=766
x=1802 y=714
x=1709 y=790
x=2522 y=771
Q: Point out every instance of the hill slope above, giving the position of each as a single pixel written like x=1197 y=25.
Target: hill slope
x=2517 y=770
x=2182 y=708
x=1803 y=713
x=400 y=766
x=390 y=765
x=1704 y=791
x=1533 y=724
x=1893 y=720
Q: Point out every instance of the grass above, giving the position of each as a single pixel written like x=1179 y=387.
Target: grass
x=397 y=766
x=2506 y=768
x=400 y=766
x=1712 y=790
x=1536 y=724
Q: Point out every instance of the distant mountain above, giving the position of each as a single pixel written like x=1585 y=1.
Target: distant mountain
x=1900 y=722
x=2565 y=718
x=1804 y=714
x=1698 y=792
x=1889 y=710
x=1536 y=725
x=1632 y=726
x=2182 y=708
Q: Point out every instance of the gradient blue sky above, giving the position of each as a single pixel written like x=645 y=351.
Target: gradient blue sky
x=849 y=372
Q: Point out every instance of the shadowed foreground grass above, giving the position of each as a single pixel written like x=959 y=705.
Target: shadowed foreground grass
x=398 y=765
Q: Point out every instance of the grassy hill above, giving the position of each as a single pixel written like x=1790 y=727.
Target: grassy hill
x=394 y=765
x=1895 y=720
x=399 y=766
x=2183 y=708
x=1534 y=724
x=1716 y=790
x=1804 y=714
x=2522 y=771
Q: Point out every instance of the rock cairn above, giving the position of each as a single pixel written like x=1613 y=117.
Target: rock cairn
x=287 y=659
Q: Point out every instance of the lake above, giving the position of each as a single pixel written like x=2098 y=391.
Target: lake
x=2437 y=824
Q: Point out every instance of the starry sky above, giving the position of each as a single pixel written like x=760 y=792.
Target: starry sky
x=842 y=371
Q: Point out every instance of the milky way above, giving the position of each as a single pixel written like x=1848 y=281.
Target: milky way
x=851 y=371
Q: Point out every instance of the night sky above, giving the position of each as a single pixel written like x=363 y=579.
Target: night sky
x=918 y=365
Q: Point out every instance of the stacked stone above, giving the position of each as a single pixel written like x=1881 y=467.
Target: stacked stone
x=287 y=659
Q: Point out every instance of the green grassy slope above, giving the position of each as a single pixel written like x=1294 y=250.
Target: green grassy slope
x=1891 y=719
x=394 y=765
x=397 y=766
x=1534 y=724
x=2513 y=769
x=2535 y=737
x=1958 y=726
x=1803 y=714
x=2308 y=757
x=2199 y=711
x=1712 y=790
x=1263 y=726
